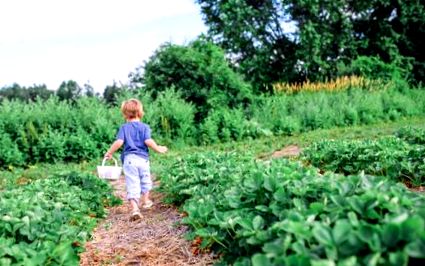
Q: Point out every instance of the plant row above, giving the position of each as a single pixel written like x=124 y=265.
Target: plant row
x=282 y=213
x=400 y=157
x=54 y=131
x=48 y=221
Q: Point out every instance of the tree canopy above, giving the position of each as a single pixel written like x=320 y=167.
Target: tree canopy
x=199 y=71
x=326 y=35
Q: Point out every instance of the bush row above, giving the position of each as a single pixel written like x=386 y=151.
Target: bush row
x=53 y=130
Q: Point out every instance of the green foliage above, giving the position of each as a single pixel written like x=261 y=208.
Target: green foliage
x=374 y=68
x=171 y=118
x=9 y=151
x=252 y=33
x=223 y=125
x=199 y=71
x=282 y=213
x=54 y=131
x=111 y=94
x=290 y=114
x=50 y=147
x=388 y=156
x=69 y=90
x=48 y=221
x=16 y=92
x=291 y=41
x=412 y=135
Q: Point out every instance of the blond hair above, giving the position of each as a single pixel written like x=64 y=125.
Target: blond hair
x=132 y=108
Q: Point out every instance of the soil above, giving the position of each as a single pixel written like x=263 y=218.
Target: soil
x=156 y=239
x=288 y=151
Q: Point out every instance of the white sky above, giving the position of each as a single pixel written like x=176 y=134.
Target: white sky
x=91 y=41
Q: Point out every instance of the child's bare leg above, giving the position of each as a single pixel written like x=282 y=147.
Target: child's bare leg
x=145 y=197
x=134 y=205
x=146 y=201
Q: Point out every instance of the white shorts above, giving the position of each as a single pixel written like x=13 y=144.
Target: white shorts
x=137 y=176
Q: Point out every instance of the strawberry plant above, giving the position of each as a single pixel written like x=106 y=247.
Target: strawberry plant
x=387 y=156
x=283 y=213
x=47 y=221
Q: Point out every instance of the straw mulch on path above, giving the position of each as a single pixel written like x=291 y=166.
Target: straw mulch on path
x=153 y=240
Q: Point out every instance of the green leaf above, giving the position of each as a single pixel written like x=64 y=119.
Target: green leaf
x=357 y=204
x=354 y=221
x=280 y=195
x=322 y=234
x=372 y=259
x=258 y=222
x=341 y=231
x=65 y=253
x=274 y=248
x=297 y=260
x=398 y=258
x=26 y=220
x=365 y=232
x=322 y=263
x=245 y=223
x=331 y=252
x=391 y=234
x=299 y=247
x=260 y=260
x=375 y=243
x=351 y=261
x=416 y=249
x=316 y=207
x=269 y=183
x=339 y=200
x=411 y=227
x=262 y=208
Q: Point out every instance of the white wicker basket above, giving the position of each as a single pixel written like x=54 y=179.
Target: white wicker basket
x=109 y=172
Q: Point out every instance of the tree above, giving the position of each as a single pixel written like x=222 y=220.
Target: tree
x=111 y=93
x=251 y=31
x=15 y=91
x=199 y=71
x=39 y=91
x=69 y=90
x=88 y=90
x=327 y=33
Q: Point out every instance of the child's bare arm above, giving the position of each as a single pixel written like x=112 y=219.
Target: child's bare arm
x=152 y=144
x=114 y=147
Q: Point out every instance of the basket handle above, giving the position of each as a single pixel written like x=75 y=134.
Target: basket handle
x=104 y=159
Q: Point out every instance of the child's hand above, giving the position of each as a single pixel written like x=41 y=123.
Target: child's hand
x=108 y=155
x=162 y=149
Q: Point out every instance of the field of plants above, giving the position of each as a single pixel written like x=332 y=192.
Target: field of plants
x=345 y=200
x=277 y=211
x=339 y=84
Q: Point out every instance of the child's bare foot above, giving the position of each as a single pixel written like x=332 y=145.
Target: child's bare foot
x=147 y=204
x=135 y=215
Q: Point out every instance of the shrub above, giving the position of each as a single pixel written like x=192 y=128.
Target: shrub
x=9 y=151
x=223 y=125
x=171 y=118
x=199 y=71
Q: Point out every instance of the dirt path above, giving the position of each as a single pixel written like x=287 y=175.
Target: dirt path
x=153 y=240
x=288 y=151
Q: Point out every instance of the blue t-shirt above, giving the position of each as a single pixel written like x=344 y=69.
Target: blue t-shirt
x=134 y=135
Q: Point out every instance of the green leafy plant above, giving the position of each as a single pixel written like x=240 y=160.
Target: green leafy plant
x=47 y=221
